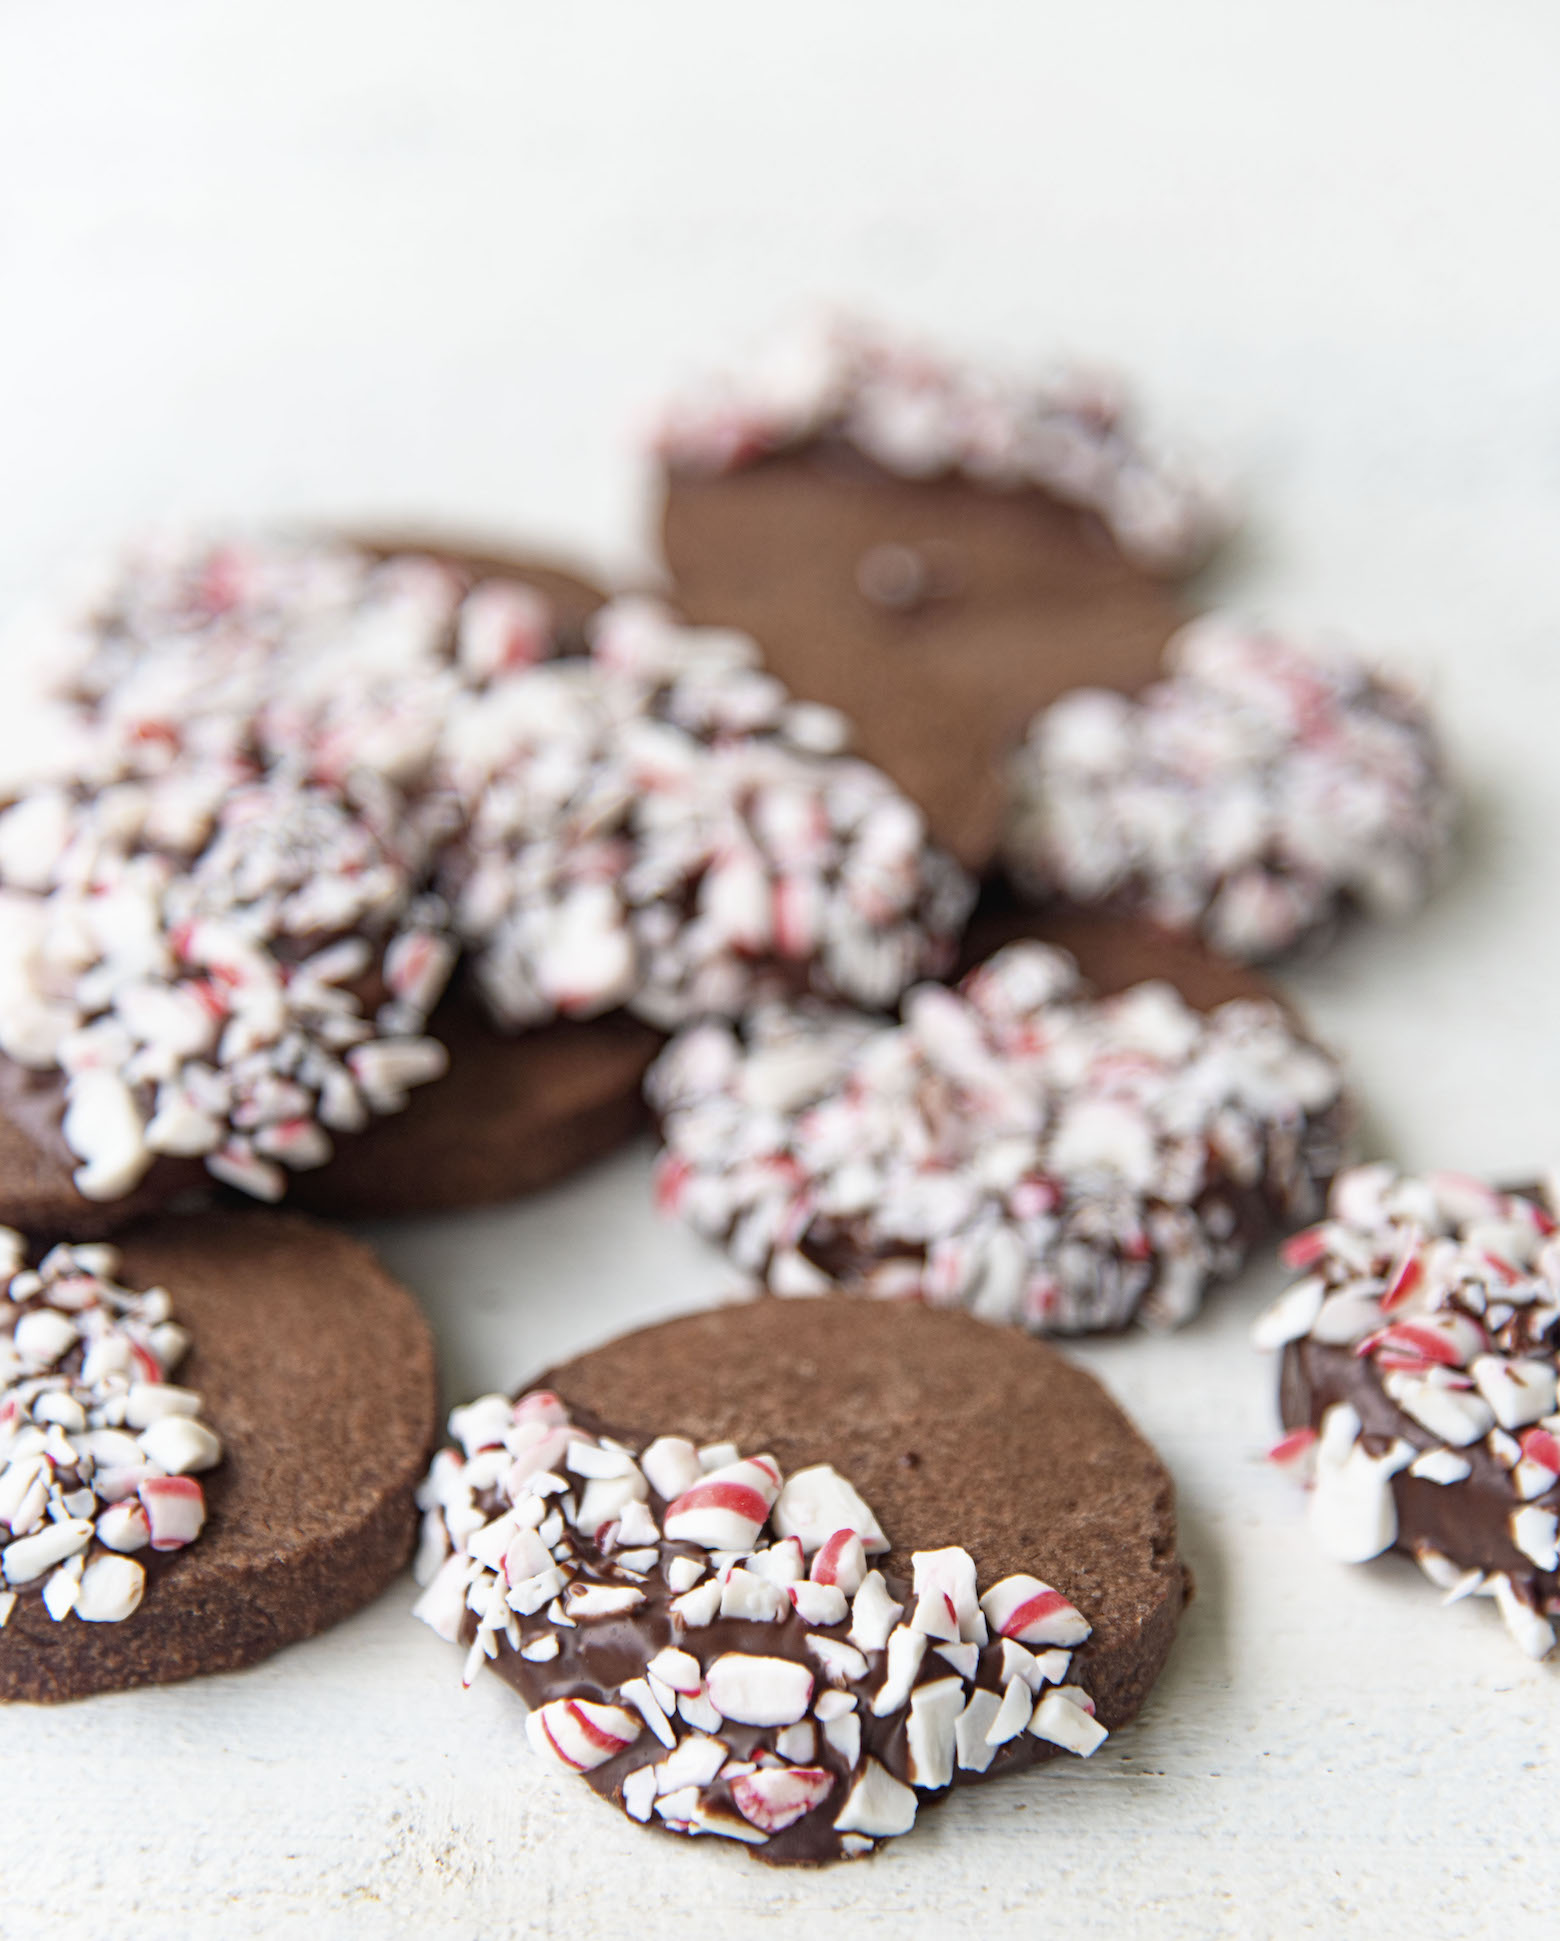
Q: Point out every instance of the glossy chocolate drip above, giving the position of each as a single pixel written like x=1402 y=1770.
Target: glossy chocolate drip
x=1468 y=1521
x=597 y=1657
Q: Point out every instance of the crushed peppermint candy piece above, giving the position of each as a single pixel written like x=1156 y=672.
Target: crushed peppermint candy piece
x=803 y=1732
x=97 y=1445
x=1016 y=1145
x=290 y=784
x=1073 y=436
x=1255 y=794
x=1421 y=1364
x=653 y=824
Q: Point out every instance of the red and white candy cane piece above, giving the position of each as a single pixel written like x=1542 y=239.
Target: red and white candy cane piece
x=175 y=1510
x=777 y=1797
x=1449 y=1339
x=946 y=1603
x=1065 y=1717
x=751 y=1690
x=1023 y=1608
x=1305 y=1249
x=727 y=1509
x=841 y=1561
x=579 y=1735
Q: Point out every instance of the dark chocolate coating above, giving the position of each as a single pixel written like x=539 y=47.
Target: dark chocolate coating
x=317 y=1372
x=1027 y=599
x=955 y=1433
x=1468 y=1522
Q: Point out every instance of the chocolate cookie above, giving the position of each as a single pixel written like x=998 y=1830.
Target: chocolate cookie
x=299 y=781
x=937 y=555
x=1419 y=1384
x=1256 y=794
x=160 y=1530
x=1019 y=1144
x=770 y=1573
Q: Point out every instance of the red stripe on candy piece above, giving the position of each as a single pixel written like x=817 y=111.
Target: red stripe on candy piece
x=607 y=1743
x=740 y=1498
x=568 y=1758
x=1540 y=1446
x=1405 y=1281
x=1032 y=1610
x=1304 y=1249
x=1289 y=1447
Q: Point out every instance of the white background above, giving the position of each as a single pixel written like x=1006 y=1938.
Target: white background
x=312 y=258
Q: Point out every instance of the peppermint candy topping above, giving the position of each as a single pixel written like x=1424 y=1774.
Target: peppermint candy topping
x=282 y=787
x=99 y=1450
x=1072 y=436
x=1253 y=794
x=657 y=824
x=771 y=1678
x=1016 y=1145
x=1443 y=1294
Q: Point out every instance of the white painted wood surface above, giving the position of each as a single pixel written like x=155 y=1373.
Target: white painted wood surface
x=326 y=258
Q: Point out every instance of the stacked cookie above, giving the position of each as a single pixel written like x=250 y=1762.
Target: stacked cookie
x=908 y=868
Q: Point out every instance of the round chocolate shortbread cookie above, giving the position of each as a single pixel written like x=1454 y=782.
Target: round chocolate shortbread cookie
x=294 y=784
x=1420 y=1356
x=314 y=1375
x=1256 y=793
x=781 y=1574
x=1069 y=1154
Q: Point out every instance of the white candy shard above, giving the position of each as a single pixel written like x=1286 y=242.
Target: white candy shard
x=975 y=1748
x=1012 y=1715
x=816 y=1503
x=873 y=1613
x=1533 y=1531
x=877 y=1805
x=1023 y=1608
x=753 y=1690
x=1519 y=1392
x=1059 y=1719
x=111 y=1589
x=841 y=1663
x=930 y=1734
x=671 y=1466
x=1353 y=1514
x=578 y=1735
x=906 y=1649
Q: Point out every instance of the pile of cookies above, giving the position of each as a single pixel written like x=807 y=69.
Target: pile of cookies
x=910 y=865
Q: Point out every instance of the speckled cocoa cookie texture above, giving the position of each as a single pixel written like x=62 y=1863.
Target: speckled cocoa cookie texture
x=212 y=1459
x=782 y=1573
